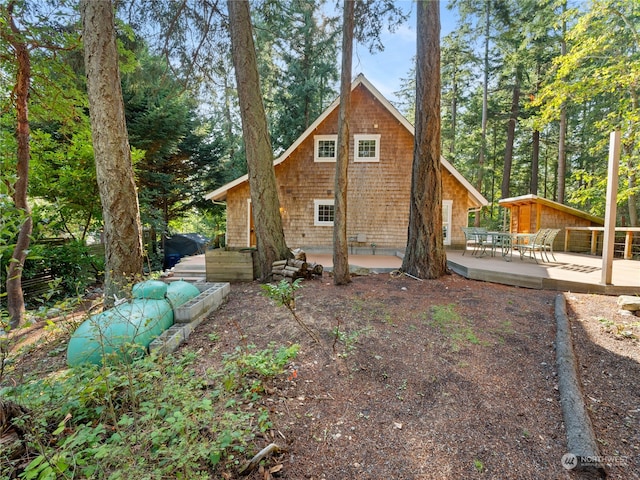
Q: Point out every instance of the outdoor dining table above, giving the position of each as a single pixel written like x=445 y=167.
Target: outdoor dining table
x=492 y=240
x=504 y=240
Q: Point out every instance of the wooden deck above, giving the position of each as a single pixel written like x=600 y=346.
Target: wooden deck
x=571 y=273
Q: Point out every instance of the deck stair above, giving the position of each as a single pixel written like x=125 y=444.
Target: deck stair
x=189 y=269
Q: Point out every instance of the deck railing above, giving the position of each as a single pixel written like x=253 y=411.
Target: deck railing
x=627 y=250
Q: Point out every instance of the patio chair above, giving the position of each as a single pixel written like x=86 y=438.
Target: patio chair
x=474 y=237
x=548 y=243
x=532 y=243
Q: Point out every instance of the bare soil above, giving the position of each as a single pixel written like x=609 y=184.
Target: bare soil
x=438 y=379
x=448 y=378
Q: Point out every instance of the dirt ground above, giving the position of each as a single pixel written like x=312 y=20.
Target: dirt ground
x=440 y=379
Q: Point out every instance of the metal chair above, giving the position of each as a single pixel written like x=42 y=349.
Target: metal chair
x=476 y=238
x=532 y=243
x=547 y=243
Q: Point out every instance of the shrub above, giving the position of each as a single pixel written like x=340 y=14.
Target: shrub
x=72 y=263
x=154 y=418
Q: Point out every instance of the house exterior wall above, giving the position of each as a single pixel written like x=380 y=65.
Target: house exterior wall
x=379 y=192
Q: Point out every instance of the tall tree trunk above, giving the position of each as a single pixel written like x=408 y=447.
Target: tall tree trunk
x=341 y=275
x=262 y=178
x=454 y=113
x=15 y=296
x=114 y=170
x=535 y=147
x=632 y=200
x=535 y=162
x=425 y=256
x=228 y=126
x=511 y=135
x=485 y=105
x=562 y=154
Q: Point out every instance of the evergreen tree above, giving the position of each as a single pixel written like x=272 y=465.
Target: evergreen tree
x=271 y=243
x=114 y=170
x=425 y=256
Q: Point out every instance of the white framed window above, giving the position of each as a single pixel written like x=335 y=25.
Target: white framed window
x=323 y=212
x=366 y=148
x=447 y=210
x=325 y=148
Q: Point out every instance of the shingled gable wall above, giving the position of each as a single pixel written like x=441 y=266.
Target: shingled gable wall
x=379 y=192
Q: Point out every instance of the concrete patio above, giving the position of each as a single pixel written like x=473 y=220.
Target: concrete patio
x=571 y=273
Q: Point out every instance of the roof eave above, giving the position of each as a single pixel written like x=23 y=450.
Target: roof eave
x=475 y=195
x=531 y=198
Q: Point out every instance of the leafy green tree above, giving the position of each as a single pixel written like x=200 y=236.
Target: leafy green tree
x=27 y=43
x=160 y=117
x=64 y=180
x=458 y=63
x=602 y=68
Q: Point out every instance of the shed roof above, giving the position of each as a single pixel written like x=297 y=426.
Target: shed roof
x=528 y=199
x=221 y=193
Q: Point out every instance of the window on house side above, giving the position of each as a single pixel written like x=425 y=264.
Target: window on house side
x=325 y=148
x=367 y=148
x=323 y=212
x=447 y=210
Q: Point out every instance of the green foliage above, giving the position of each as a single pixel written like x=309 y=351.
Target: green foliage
x=284 y=293
x=297 y=60
x=248 y=365
x=154 y=418
x=349 y=338
x=72 y=263
x=453 y=326
x=210 y=223
x=478 y=465
x=10 y=221
x=178 y=150
x=63 y=180
x=597 y=81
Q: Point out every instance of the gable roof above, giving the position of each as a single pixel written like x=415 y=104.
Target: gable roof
x=221 y=192
x=531 y=198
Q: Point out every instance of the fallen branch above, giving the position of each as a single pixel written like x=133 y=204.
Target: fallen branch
x=270 y=449
x=399 y=273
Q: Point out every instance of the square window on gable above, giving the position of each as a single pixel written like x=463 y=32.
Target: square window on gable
x=366 y=148
x=325 y=148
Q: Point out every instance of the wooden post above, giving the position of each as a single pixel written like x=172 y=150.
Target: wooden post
x=610 y=209
x=594 y=240
x=628 y=245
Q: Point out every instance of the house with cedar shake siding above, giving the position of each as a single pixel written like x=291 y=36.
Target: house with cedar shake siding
x=380 y=163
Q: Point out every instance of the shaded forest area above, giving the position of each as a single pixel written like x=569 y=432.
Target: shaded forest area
x=530 y=92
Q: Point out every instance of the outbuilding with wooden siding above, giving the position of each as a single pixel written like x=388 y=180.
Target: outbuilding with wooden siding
x=530 y=213
x=379 y=172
